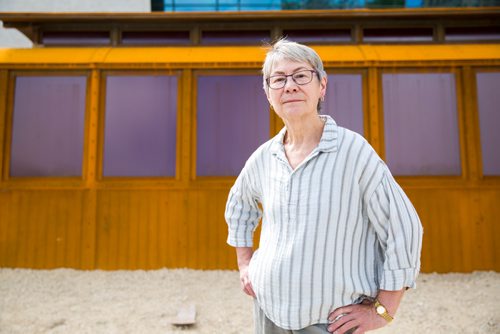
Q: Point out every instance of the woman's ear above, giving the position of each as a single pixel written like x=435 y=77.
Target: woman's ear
x=323 y=83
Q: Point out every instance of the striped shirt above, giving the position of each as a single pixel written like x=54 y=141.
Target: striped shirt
x=335 y=229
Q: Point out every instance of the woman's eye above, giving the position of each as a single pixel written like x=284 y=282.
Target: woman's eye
x=278 y=79
x=299 y=76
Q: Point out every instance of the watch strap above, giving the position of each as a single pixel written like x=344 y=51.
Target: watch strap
x=378 y=305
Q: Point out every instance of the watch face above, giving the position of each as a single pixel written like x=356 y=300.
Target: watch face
x=380 y=309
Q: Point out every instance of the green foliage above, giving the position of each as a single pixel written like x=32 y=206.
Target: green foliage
x=291 y=4
x=381 y=4
x=317 y=4
x=340 y=4
x=460 y=3
x=385 y=4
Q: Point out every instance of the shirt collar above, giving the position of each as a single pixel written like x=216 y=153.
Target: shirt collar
x=327 y=143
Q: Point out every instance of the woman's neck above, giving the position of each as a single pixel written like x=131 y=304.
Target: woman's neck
x=304 y=132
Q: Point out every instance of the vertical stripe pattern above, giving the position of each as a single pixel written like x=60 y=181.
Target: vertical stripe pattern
x=336 y=228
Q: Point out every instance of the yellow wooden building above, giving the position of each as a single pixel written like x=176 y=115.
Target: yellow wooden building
x=95 y=175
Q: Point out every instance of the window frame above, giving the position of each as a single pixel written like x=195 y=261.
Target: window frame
x=364 y=93
x=42 y=181
x=476 y=125
x=75 y=34
x=136 y=180
x=274 y=123
x=464 y=157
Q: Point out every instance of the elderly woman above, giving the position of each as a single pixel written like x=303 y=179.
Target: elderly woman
x=340 y=240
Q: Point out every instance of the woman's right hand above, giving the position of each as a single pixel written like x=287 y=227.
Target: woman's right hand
x=246 y=285
x=244 y=255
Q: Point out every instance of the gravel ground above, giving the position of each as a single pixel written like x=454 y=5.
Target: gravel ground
x=72 y=301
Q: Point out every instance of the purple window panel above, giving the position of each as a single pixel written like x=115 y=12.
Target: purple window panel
x=48 y=123
x=398 y=35
x=75 y=38
x=232 y=121
x=421 y=125
x=472 y=33
x=344 y=101
x=140 y=128
x=155 y=37
x=488 y=99
x=319 y=36
x=235 y=37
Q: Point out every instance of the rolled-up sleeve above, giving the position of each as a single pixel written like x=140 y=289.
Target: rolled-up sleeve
x=242 y=212
x=399 y=232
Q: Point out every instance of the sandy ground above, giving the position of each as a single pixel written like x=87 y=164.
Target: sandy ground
x=70 y=301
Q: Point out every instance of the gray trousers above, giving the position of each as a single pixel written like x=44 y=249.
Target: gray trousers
x=265 y=326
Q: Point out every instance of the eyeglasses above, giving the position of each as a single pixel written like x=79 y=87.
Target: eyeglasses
x=300 y=78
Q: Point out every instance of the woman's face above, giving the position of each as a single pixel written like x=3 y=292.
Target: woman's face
x=294 y=100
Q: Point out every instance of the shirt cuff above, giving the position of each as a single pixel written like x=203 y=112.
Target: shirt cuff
x=394 y=280
x=246 y=241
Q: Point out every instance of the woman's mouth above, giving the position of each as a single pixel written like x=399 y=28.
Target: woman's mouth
x=291 y=101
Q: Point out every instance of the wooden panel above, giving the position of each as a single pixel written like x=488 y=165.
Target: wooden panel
x=147 y=229
x=8 y=236
x=163 y=229
x=442 y=228
x=487 y=226
x=210 y=230
x=40 y=229
x=153 y=228
x=460 y=229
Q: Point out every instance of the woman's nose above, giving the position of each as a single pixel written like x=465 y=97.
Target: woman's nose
x=290 y=85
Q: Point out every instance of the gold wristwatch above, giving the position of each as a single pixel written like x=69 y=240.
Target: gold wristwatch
x=382 y=311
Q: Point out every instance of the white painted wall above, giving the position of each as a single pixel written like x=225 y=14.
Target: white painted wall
x=75 y=5
x=11 y=38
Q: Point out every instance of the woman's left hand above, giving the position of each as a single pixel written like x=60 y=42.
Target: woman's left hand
x=355 y=319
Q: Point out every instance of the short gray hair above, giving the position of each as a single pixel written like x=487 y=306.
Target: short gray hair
x=285 y=49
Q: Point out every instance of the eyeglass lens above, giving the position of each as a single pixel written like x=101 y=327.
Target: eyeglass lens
x=300 y=78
